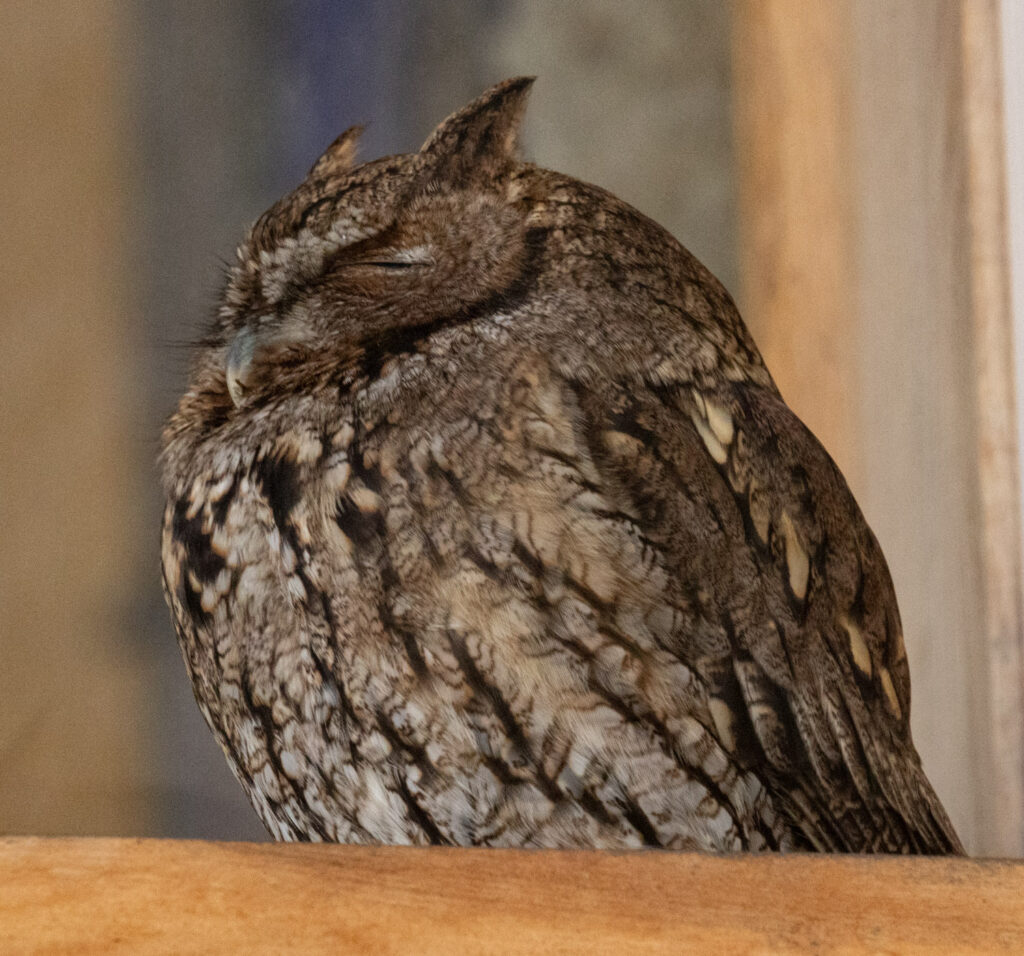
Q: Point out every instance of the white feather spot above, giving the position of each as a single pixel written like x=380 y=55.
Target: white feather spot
x=858 y=646
x=365 y=500
x=797 y=561
x=218 y=490
x=890 y=693
x=722 y=715
x=290 y=764
x=715 y=448
x=720 y=421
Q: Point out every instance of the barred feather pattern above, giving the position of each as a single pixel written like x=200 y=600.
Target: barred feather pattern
x=486 y=525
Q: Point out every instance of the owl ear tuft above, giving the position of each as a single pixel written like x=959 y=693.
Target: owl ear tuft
x=339 y=156
x=479 y=141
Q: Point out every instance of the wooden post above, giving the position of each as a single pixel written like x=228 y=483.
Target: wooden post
x=874 y=257
x=791 y=107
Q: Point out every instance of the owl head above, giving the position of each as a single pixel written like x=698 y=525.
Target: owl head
x=363 y=263
x=360 y=252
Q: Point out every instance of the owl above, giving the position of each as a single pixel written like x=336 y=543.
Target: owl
x=486 y=525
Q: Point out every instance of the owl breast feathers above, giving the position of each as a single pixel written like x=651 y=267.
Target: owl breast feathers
x=486 y=525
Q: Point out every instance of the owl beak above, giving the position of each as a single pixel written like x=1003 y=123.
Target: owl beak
x=239 y=363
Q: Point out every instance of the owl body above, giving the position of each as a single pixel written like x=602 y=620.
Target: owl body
x=486 y=525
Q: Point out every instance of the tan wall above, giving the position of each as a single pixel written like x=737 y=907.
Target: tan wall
x=70 y=707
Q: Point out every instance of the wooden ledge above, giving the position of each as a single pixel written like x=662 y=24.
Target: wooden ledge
x=146 y=896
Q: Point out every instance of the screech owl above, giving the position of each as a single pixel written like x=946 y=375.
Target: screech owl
x=486 y=525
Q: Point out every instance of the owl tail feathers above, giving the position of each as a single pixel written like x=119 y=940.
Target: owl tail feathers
x=478 y=141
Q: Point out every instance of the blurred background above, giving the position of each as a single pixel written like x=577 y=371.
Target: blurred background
x=818 y=158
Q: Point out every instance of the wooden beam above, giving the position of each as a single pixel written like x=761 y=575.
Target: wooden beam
x=148 y=896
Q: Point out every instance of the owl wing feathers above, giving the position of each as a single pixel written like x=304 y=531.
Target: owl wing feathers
x=783 y=603
x=693 y=567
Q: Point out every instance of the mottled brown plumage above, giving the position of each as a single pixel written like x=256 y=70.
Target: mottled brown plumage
x=487 y=525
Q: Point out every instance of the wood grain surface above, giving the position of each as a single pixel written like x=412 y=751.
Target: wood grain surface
x=149 y=896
